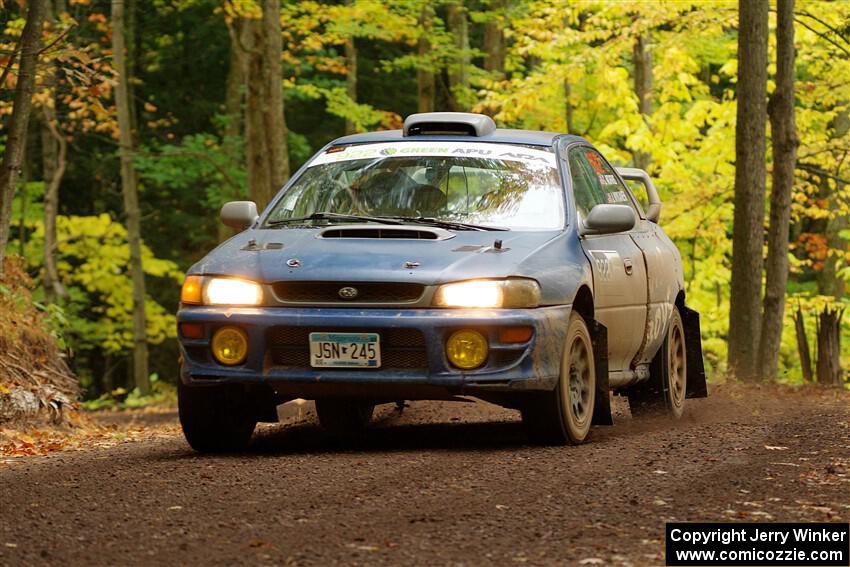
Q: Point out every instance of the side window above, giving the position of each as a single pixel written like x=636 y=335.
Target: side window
x=594 y=181
x=639 y=191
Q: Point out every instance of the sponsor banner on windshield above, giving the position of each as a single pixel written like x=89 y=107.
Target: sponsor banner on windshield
x=501 y=152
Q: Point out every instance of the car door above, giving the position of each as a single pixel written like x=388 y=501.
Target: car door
x=617 y=263
x=665 y=279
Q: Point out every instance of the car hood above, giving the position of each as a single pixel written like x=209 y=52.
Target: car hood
x=300 y=254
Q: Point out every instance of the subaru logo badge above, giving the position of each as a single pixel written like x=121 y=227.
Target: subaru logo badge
x=348 y=292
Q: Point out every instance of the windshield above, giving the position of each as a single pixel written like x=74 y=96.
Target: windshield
x=497 y=185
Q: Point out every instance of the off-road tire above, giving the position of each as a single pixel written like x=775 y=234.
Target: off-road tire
x=344 y=416
x=564 y=415
x=664 y=392
x=215 y=419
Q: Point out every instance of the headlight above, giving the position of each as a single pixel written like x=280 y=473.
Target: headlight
x=201 y=290
x=227 y=291
x=489 y=293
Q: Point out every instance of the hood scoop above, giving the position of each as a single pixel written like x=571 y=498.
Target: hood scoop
x=252 y=246
x=400 y=232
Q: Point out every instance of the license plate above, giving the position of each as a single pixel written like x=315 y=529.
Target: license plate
x=345 y=350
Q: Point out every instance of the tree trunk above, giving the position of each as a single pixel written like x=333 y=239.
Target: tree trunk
x=459 y=70
x=256 y=151
x=233 y=97
x=829 y=280
x=131 y=201
x=276 y=133
x=233 y=87
x=131 y=49
x=568 y=107
x=265 y=126
x=17 y=130
x=642 y=58
x=424 y=73
x=494 y=41
x=748 y=225
x=26 y=176
x=54 y=165
x=829 y=347
x=350 y=74
x=54 y=151
x=350 y=79
x=784 y=139
x=803 y=346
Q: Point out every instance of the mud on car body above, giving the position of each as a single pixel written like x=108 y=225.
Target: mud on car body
x=447 y=259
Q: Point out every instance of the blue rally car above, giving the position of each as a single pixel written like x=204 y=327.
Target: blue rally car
x=447 y=259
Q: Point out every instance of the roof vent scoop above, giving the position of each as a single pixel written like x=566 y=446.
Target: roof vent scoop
x=449 y=123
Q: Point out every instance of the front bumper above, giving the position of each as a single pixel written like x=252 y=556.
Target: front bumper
x=534 y=365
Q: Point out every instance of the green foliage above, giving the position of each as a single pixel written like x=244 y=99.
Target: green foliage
x=93 y=258
x=562 y=59
x=201 y=164
x=162 y=394
x=690 y=134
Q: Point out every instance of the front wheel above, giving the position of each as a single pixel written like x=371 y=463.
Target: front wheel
x=564 y=415
x=215 y=419
x=343 y=416
x=664 y=392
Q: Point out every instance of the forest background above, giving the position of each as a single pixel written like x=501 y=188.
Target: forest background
x=147 y=115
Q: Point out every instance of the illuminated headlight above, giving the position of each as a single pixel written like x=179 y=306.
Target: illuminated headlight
x=516 y=293
x=227 y=291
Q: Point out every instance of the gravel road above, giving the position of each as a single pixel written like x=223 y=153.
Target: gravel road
x=439 y=484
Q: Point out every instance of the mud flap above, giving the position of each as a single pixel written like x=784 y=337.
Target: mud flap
x=696 y=387
x=602 y=406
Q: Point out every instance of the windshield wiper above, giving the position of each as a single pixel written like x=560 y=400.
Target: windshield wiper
x=455 y=225
x=391 y=220
x=325 y=215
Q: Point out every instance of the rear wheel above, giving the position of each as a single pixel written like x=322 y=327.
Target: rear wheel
x=215 y=419
x=344 y=415
x=564 y=415
x=664 y=392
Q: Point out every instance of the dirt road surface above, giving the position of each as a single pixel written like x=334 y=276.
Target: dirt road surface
x=439 y=484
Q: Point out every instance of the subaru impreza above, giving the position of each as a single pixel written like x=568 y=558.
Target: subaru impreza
x=447 y=260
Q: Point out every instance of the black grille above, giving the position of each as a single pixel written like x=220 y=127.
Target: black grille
x=501 y=358
x=400 y=348
x=380 y=233
x=328 y=292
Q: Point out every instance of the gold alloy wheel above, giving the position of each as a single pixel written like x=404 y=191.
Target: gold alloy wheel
x=677 y=364
x=578 y=381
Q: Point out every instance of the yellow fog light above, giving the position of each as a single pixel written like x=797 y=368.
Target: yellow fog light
x=467 y=349
x=230 y=346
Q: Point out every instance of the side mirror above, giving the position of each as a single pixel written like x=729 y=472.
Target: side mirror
x=239 y=214
x=653 y=209
x=608 y=219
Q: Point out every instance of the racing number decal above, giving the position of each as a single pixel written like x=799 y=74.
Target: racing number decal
x=602 y=261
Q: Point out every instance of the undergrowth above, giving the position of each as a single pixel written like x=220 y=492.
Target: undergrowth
x=35 y=380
